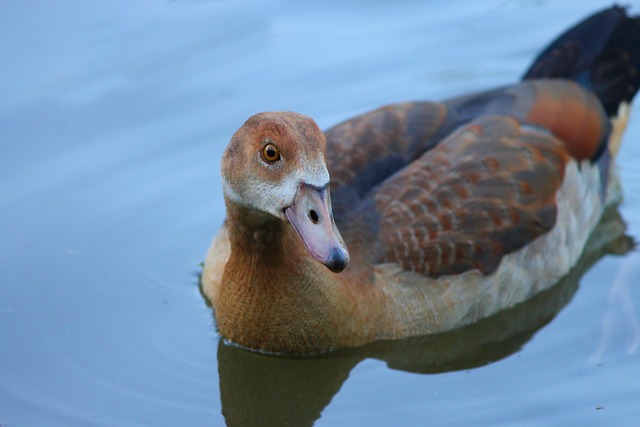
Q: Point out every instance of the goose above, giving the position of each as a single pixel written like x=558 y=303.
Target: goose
x=421 y=217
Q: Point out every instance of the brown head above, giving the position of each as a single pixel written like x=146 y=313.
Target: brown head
x=275 y=163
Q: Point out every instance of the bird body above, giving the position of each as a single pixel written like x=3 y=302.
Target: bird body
x=420 y=217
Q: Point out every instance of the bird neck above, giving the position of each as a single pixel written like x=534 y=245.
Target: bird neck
x=273 y=296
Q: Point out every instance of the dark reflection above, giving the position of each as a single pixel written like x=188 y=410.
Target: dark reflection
x=258 y=390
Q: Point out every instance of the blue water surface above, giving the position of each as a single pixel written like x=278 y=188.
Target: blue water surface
x=113 y=117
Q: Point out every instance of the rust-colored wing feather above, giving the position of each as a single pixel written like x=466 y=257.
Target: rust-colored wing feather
x=365 y=150
x=456 y=185
x=485 y=191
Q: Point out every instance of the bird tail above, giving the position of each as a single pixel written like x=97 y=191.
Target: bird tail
x=602 y=54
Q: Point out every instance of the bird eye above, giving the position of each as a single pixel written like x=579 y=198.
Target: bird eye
x=271 y=153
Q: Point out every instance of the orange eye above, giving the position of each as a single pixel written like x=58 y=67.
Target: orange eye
x=271 y=153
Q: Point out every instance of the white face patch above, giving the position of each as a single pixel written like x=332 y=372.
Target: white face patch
x=314 y=171
x=275 y=196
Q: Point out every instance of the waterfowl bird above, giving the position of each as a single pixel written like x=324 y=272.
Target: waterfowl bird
x=421 y=217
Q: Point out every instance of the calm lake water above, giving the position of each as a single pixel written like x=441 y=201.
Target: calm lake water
x=113 y=117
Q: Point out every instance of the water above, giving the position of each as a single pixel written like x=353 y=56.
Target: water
x=112 y=120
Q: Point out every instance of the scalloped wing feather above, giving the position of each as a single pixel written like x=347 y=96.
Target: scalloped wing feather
x=483 y=192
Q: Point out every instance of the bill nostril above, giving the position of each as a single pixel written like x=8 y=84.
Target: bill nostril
x=313 y=216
